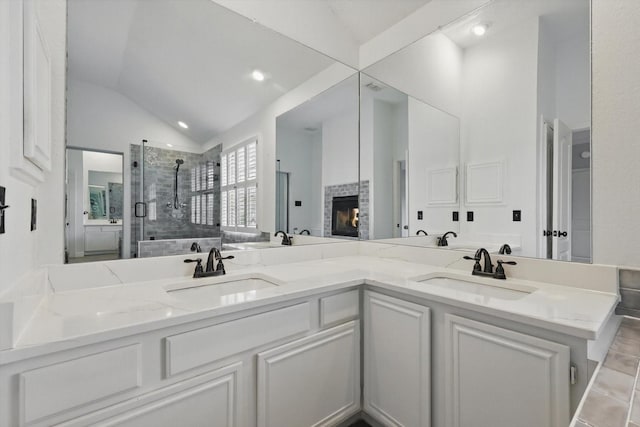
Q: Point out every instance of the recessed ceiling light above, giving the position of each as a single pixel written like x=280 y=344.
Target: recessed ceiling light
x=257 y=75
x=169 y=145
x=183 y=125
x=479 y=30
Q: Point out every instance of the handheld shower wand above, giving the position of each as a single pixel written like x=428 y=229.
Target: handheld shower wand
x=176 y=201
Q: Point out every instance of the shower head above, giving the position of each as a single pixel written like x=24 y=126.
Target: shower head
x=178 y=163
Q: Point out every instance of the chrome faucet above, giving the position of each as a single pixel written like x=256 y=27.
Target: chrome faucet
x=286 y=240
x=195 y=247
x=421 y=231
x=442 y=241
x=214 y=255
x=487 y=270
x=305 y=231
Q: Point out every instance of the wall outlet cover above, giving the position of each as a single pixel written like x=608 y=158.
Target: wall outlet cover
x=470 y=216
x=34 y=214
x=419 y=214
x=455 y=216
x=517 y=216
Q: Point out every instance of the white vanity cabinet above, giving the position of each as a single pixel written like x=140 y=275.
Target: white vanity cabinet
x=500 y=378
x=397 y=361
x=101 y=239
x=314 y=381
x=296 y=363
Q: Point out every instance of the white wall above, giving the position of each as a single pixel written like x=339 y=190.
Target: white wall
x=340 y=149
x=616 y=126
x=436 y=80
x=434 y=141
x=102 y=119
x=383 y=137
x=295 y=150
x=573 y=73
x=383 y=161
x=20 y=249
x=427 y=19
x=498 y=123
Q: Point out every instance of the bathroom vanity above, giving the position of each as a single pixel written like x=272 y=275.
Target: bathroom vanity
x=303 y=336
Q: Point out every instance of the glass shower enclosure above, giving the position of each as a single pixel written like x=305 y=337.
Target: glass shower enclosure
x=175 y=199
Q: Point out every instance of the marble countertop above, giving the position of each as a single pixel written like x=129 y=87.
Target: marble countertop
x=75 y=317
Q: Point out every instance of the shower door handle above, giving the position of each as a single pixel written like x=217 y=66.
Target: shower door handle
x=140 y=209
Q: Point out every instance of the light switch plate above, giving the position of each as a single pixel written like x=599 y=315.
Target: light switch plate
x=34 y=214
x=3 y=192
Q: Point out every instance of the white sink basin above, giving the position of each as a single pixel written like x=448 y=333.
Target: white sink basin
x=216 y=287
x=477 y=288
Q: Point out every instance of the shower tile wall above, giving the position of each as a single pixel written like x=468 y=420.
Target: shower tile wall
x=163 y=220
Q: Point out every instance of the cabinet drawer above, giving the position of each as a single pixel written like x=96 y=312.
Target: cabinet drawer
x=202 y=346
x=339 y=308
x=211 y=399
x=60 y=387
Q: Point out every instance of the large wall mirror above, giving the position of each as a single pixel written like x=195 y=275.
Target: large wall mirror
x=484 y=127
x=316 y=151
x=189 y=92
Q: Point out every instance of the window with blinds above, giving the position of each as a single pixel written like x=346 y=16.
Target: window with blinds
x=239 y=187
x=202 y=185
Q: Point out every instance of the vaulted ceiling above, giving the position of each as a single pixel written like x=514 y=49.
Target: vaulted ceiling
x=191 y=60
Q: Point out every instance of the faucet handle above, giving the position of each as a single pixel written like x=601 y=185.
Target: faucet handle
x=476 y=266
x=500 y=274
x=198 y=269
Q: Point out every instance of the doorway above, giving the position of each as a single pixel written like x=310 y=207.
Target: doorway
x=94 y=205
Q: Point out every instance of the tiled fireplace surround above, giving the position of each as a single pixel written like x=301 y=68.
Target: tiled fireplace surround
x=350 y=189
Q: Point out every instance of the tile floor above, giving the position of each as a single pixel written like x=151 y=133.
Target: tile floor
x=614 y=398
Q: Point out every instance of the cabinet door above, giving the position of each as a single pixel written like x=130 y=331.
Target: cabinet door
x=97 y=240
x=314 y=381
x=212 y=399
x=500 y=378
x=397 y=362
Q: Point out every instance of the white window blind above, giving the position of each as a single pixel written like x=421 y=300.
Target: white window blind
x=202 y=184
x=239 y=187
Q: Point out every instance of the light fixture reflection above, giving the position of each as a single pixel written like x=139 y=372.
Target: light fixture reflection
x=257 y=75
x=183 y=125
x=479 y=30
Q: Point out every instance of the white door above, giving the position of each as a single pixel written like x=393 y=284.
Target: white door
x=397 y=361
x=561 y=191
x=313 y=381
x=495 y=377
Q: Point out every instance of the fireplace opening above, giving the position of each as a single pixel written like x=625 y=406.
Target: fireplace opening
x=345 y=216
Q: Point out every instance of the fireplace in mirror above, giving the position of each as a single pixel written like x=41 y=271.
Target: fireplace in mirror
x=344 y=216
